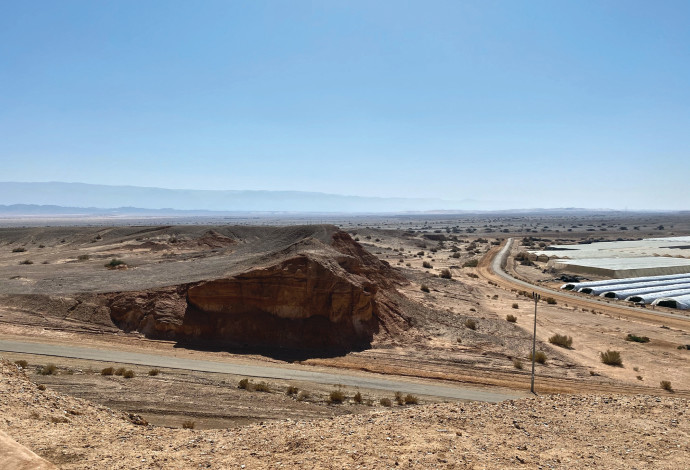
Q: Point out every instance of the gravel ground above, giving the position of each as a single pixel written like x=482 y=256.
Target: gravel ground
x=557 y=431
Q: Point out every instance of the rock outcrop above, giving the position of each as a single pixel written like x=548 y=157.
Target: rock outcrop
x=313 y=296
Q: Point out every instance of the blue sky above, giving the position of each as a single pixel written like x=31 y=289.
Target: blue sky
x=507 y=103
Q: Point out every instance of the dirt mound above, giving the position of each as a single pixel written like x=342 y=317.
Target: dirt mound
x=314 y=296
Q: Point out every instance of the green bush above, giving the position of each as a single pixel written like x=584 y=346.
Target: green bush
x=637 y=339
x=561 y=340
x=611 y=358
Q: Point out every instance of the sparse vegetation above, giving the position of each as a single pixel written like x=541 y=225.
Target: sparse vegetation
x=262 y=387
x=41 y=387
x=539 y=356
x=107 y=371
x=114 y=263
x=154 y=372
x=83 y=257
x=515 y=306
x=473 y=263
x=411 y=399
x=291 y=390
x=611 y=358
x=189 y=424
x=303 y=395
x=427 y=265
x=425 y=288
x=561 y=340
x=358 y=398
x=666 y=385
x=473 y=275
x=128 y=374
x=386 y=402
x=50 y=369
x=637 y=339
x=445 y=274
x=244 y=384
x=517 y=363
x=511 y=318
x=551 y=301
x=20 y=249
x=22 y=363
x=336 y=397
x=399 y=399
x=26 y=261
x=471 y=324
x=58 y=419
x=120 y=371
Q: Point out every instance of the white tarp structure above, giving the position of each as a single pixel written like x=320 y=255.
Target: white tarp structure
x=649 y=298
x=577 y=286
x=626 y=290
x=681 y=302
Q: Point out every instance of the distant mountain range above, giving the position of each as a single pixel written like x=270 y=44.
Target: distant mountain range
x=65 y=197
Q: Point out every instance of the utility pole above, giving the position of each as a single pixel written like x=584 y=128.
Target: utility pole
x=536 y=298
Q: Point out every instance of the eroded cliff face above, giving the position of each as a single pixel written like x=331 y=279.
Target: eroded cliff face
x=334 y=298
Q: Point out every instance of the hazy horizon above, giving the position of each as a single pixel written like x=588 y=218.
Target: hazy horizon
x=493 y=104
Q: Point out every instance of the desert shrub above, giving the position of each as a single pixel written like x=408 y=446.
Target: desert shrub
x=539 y=357
x=471 y=324
x=128 y=374
x=666 y=385
x=262 y=387
x=50 y=369
x=637 y=339
x=639 y=377
x=58 y=419
x=22 y=363
x=41 y=387
x=561 y=340
x=303 y=395
x=107 y=371
x=455 y=255
x=20 y=249
x=83 y=257
x=511 y=318
x=292 y=390
x=358 y=398
x=515 y=306
x=336 y=397
x=154 y=372
x=445 y=274
x=420 y=253
x=385 y=402
x=26 y=261
x=244 y=384
x=472 y=275
x=427 y=265
x=472 y=263
x=120 y=371
x=517 y=363
x=411 y=399
x=399 y=399
x=113 y=263
x=425 y=288
x=551 y=301
x=189 y=424
x=611 y=358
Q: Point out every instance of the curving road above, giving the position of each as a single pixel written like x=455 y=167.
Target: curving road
x=496 y=271
x=368 y=381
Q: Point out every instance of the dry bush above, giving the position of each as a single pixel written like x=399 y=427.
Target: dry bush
x=303 y=395
x=336 y=397
x=292 y=390
x=22 y=363
x=411 y=399
x=551 y=301
x=21 y=249
x=154 y=372
x=472 y=275
x=114 y=263
x=472 y=263
x=83 y=257
x=666 y=385
x=26 y=261
x=399 y=399
x=425 y=288
x=244 y=384
x=358 y=398
x=120 y=371
x=128 y=374
x=107 y=371
x=41 y=387
x=58 y=419
x=50 y=369
x=262 y=387
x=445 y=274
x=562 y=341
x=611 y=358
x=385 y=402
x=637 y=339
x=515 y=306
x=427 y=265
x=511 y=318
x=189 y=424
x=471 y=324
x=517 y=363
x=539 y=357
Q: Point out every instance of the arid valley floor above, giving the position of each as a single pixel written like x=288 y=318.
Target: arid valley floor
x=327 y=320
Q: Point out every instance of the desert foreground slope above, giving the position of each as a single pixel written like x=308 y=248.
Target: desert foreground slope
x=556 y=431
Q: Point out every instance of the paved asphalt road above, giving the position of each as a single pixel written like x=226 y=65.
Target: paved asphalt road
x=368 y=381
x=496 y=267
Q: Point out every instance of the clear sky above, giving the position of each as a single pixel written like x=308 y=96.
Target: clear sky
x=510 y=103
